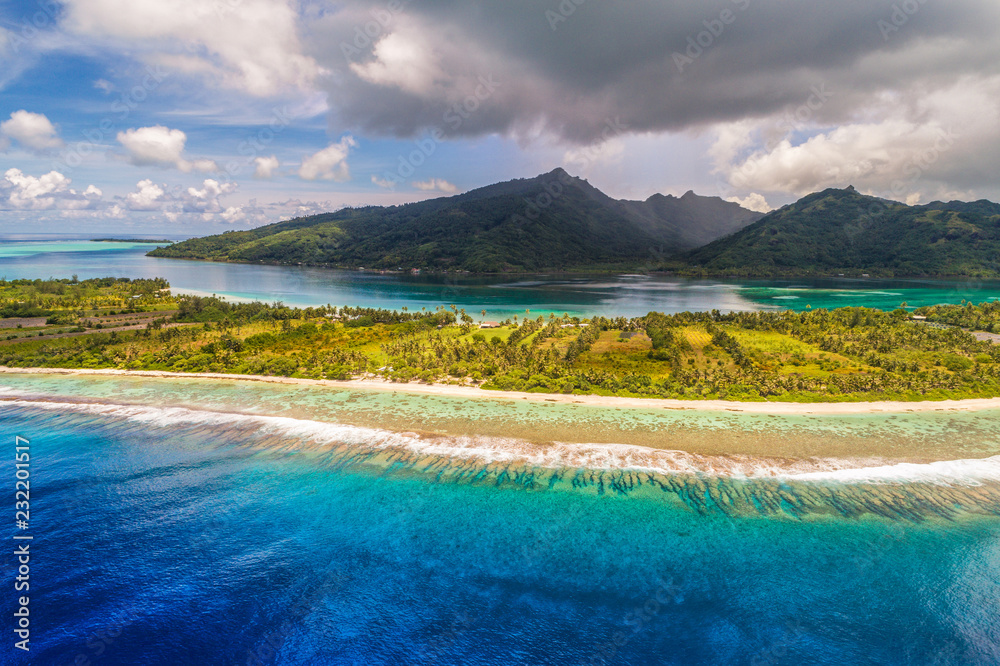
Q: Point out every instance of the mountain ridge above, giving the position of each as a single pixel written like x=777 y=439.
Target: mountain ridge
x=558 y=222
x=843 y=231
x=554 y=221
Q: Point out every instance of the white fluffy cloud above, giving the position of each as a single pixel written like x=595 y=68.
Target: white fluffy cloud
x=754 y=202
x=329 y=163
x=29 y=192
x=264 y=167
x=50 y=199
x=251 y=45
x=233 y=214
x=402 y=60
x=298 y=208
x=435 y=184
x=147 y=196
x=51 y=191
x=254 y=214
x=150 y=196
x=163 y=147
x=910 y=152
x=32 y=130
x=154 y=146
x=206 y=200
x=202 y=165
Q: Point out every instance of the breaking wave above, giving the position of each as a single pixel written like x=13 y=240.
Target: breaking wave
x=551 y=455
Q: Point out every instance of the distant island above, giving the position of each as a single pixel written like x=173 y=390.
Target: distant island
x=554 y=222
x=129 y=240
x=841 y=355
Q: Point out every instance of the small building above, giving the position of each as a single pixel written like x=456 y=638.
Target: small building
x=918 y=317
x=489 y=324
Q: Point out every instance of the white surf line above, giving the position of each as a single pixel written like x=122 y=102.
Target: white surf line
x=556 y=455
x=964 y=471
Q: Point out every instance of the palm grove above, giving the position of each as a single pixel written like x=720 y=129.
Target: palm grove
x=816 y=355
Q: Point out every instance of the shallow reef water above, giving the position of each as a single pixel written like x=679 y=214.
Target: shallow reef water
x=187 y=522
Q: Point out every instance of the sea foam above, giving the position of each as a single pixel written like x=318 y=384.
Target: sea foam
x=550 y=455
x=944 y=471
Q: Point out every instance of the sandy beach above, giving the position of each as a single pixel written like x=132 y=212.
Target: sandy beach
x=776 y=408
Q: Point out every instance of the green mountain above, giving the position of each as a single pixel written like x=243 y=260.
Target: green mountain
x=843 y=231
x=552 y=222
x=691 y=220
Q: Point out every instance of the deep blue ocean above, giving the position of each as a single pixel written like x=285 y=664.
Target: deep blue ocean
x=170 y=539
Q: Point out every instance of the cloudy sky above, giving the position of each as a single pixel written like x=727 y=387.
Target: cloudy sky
x=197 y=116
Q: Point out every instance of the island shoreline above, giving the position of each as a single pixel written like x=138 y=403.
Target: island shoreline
x=472 y=392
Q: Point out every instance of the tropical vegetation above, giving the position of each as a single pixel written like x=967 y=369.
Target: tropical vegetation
x=816 y=355
x=552 y=222
x=843 y=232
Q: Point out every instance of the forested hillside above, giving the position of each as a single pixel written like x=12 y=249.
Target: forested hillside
x=552 y=222
x=843 y=231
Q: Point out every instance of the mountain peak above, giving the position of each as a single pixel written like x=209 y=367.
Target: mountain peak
x=842 y=231
x=554 y=221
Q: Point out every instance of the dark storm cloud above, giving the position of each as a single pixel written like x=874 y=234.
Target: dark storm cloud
x=568 y=68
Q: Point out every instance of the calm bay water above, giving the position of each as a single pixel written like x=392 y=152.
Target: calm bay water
x=500 y=296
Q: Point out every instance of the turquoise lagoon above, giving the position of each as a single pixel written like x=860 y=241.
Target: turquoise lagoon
x=500 y=296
